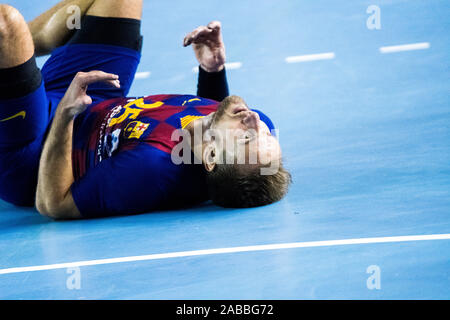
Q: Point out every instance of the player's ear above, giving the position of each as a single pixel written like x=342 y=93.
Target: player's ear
x=209 y=156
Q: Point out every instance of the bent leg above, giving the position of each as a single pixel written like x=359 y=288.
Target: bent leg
x=131 y=9
x=19 y=75
x=112 y=22
x=23 y=110
x=16 y=42
x=109 y=40
x=49 y=30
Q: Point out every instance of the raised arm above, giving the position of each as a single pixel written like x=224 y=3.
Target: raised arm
x=209 y=50
x=55 y=177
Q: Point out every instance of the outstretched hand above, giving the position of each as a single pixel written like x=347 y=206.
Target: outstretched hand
x=75 y=99
x=208 y=46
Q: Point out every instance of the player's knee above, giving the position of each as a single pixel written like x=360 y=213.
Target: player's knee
x=10 y=20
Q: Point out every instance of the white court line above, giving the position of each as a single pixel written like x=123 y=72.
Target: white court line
x=228 y=66
x=310 y=57
x=292 y=245
x=405 y=47
x=142 y=75
x=233 y=65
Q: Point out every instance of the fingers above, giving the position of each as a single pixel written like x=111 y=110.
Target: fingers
x=196 y=35
x=215 y=25
x=204 y=33
x=83 y=79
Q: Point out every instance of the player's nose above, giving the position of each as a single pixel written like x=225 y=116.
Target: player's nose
x=251 y=120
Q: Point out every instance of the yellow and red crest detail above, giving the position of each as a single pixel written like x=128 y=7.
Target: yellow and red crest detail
x=135 y=129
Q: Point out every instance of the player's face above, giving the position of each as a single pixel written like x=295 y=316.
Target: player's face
x=251 y=137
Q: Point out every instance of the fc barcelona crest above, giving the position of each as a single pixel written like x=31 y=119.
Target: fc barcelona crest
x=135 y=129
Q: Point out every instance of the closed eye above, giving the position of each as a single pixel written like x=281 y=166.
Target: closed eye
x=249 y=138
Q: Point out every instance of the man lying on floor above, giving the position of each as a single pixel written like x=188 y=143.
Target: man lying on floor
x=73 y=144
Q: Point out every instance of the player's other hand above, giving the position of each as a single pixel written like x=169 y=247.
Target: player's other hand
x=208 y=46
x=75 y=99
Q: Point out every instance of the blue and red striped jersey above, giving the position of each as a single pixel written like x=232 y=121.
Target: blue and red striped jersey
x=122 y=155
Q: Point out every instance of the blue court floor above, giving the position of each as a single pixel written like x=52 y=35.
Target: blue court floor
x=364 y=123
